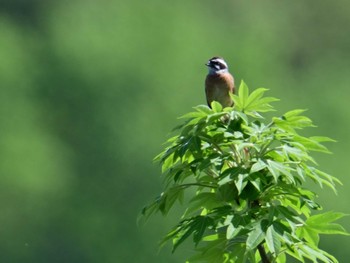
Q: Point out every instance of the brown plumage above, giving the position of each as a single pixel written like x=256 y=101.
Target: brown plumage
x=219 y=82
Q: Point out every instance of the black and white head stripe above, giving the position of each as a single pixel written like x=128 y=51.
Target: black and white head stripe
x=217 y=63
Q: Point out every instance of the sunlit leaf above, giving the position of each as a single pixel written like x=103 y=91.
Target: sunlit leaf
x=216 y=106
x=258 y=166
x=243 y=93
x=211 y=237
x=195 y=114
x=273 y=240
x=203 y=109
x=277 y=169
x=255 y=96
x=324 y=218
x=309 y=235
x=311 y=144
x=255 y=237
x=241 y=182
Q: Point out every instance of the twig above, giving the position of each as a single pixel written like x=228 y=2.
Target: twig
x=263 y=255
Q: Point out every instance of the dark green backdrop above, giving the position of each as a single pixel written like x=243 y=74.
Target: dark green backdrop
x=90 y=89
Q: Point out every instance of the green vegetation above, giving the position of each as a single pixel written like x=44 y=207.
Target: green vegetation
x=90 y=89
x=250 y=203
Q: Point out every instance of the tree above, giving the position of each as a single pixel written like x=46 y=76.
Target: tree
x=249 y=203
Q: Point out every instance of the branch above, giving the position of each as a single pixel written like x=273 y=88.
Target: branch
x=263 y=255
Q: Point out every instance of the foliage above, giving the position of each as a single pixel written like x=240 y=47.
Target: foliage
x=249 y=203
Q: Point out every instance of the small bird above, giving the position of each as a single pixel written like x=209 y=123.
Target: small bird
x=219 y=82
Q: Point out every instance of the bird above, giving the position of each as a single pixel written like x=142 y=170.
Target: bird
x=219 y=82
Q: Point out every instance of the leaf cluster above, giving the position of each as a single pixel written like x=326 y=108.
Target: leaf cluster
x=245 y=177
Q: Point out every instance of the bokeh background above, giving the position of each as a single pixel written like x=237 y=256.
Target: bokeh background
x=89 y=91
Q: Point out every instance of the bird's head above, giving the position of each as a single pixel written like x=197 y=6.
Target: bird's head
x=217 y=65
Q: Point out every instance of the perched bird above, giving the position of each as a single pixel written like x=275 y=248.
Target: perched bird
x=219 y=82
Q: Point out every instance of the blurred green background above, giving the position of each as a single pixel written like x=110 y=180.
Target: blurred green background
x=89 y=91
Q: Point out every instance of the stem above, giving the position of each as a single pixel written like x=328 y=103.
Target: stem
x=261 y=249
x=263 y=255
x=236 y=153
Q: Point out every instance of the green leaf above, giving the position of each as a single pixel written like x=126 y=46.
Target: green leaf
x=195 y=114
x=195 y=225
x=331 y=229
x=147 y=211
x=309 y=235
x=169 y=197
x=253 y=103
x=258 y=166
x=314 y=253
x=255 y=237
x=241 y=183
x=202 y=223
x=167 y=163
x=288 y=214
x=225 y=180
x=232 y=231
x=227 y=193
x=204 y=109
x=261 y=105
x=203 y=200
x=293 y=113
x=281 y=258
x=328 y=177
x=257 y=179
x=281 y=229
x=243 y=93
x=212 y=252
x=294 y=153
x=311 y=144
x=211 y=237
x=177 y=241
x=322 y=223
x=216 y=106
x=325 y=218
x=321 y=177
x=322 y=139
x=273 y=241
x=255 y=96
x=277 y=169
x=293 y=120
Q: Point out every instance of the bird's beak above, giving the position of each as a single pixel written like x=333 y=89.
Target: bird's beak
x=207 y=64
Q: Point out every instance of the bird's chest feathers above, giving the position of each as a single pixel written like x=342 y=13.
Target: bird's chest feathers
x=219 y=90
x=218 y=86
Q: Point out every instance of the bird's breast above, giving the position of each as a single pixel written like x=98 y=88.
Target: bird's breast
x=218 y=87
